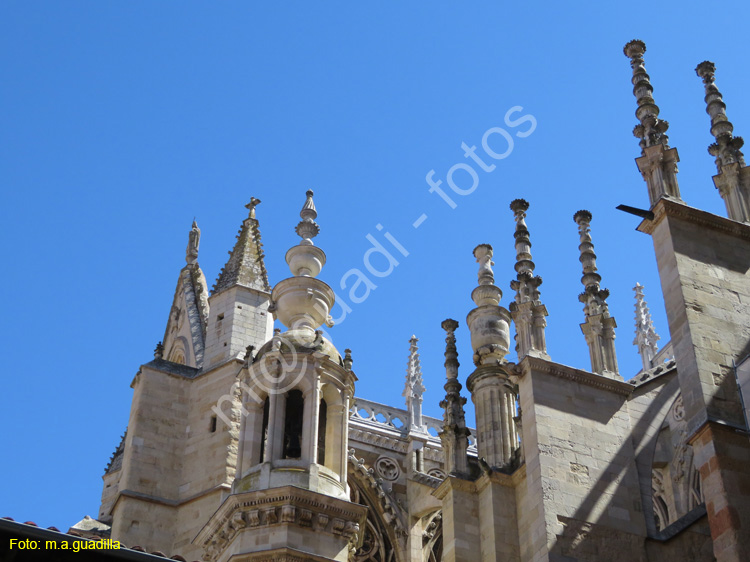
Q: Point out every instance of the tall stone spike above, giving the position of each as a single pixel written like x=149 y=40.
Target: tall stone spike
x=645 y=335
x=414 y=387
x=245 y=266
x=732 y=181
x=658 y=162
x=599 y=327
x=527 y=311
x=455 y=434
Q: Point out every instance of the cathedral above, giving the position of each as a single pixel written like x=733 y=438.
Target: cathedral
x=249 y=443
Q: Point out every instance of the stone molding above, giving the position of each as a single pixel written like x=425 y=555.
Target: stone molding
x=698 y=217
x=287 y=505
x=530 y=363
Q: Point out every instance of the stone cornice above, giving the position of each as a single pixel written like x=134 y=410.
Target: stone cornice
x=502 y=372
x=454 y=483
x=508 y=480
x=530 y=363
x=668 y=208
x=278 y=555
x=286 y=505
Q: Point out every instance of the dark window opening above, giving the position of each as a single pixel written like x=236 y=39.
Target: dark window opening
x=264 y=431
x=213 y=424
x=322 y=424
x=293 y=425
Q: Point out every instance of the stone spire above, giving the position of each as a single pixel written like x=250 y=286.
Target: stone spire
x=599 y=327
x=645 y=335
x=658 y=162
x=302 y=302
x=414 y=388
x=245 y=266
x=455 y=434
x=733 y=185
x=527 y=311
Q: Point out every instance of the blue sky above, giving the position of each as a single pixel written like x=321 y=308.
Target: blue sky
x=120 y=122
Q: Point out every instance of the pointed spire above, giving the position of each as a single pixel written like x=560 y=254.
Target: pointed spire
x=651 y=129
x=455 y=435
x=414 y=387
x=527 y=311
x=645 y=335
x=726 y=149
x=658 y=162
x=245 y=266
x=194 y=240
x=599 y=325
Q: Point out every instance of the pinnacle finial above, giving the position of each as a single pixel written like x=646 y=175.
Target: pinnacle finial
x=194 y=240
x=251 y=206
x=308 y=229
x=524 y=265
x=486 y=293
x=348 y=361
x=451 y=353
x=651 y=130
x=593 y=297
x=727 y=147
x=414 y=387
x=645 y=334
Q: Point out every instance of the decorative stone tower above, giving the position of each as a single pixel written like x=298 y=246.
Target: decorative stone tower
x=645 y=335
x=290 y=497
x=489 y=384
x=658 y=162
x=527 y=311
x=599 y=327
x=733 y=179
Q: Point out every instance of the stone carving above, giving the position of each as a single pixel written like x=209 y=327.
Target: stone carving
x=387 y=468
x=645 y=335
x=392 y=512
x=436 y=473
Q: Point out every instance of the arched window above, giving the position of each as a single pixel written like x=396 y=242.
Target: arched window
x=293 y=425
x=322 y=425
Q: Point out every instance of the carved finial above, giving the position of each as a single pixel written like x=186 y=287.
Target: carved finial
x=348 y=359
x=251 y=206
x=651 y=130
x=451 y=353
x=308 y=229
x=159 y=351
x=727 y=147
x=486 y=293
x=527 y=310
x=645 y=335
x=590 y=278
x=414 y=387
x=194 y=240
x=599 y=325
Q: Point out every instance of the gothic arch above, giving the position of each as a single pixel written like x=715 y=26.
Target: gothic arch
x=432 y=537
x=381 y=542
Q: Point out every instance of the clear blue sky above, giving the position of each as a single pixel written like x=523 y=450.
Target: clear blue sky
x=121 y=121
